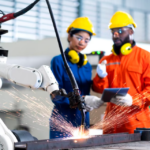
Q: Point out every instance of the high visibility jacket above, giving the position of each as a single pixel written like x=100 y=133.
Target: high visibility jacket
x=131 y=71
x=72 y=116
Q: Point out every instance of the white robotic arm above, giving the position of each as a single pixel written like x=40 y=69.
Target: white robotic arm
x=7 y=139
x=41 y=78
x=3 y=59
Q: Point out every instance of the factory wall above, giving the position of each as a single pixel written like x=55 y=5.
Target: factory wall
x=36 y=24
x=37 y=52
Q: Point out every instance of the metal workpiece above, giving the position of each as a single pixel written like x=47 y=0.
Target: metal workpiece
x=78 y=143
x=140 y=145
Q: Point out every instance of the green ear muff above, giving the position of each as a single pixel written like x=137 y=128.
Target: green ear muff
x=75 y=58
x=125 y=49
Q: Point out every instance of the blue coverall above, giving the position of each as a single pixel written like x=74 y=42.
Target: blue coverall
x=83 y=77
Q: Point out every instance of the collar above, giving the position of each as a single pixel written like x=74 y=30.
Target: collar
x=134 y=43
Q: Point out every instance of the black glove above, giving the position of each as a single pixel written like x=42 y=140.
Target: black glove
x=76 y=101
x=58 y=94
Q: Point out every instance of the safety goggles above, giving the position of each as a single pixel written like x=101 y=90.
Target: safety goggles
x=80 y=38
x=119 y=31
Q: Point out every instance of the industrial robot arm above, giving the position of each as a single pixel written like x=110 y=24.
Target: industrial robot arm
x=41 y=78
x=7 y=139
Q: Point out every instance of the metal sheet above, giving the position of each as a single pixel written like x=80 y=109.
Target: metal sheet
x=80 y=143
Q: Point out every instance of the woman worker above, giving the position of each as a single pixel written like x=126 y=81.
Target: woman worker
x=79 y=32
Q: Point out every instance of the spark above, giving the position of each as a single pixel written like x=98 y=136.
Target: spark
x=120 y=115
x=38 y=112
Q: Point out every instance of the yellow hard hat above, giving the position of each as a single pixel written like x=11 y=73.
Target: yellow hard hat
x=82 y=23
x=121 y=19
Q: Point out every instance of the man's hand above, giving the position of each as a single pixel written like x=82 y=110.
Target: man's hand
x=92 y=102
x=101 y=69
x=122 y=100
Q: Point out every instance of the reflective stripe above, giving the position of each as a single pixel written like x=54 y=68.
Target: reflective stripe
x=114 y=63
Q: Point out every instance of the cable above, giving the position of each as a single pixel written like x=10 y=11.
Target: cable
x=2 y=12
x=23 y=11
x=69 y=72
x=10 y=16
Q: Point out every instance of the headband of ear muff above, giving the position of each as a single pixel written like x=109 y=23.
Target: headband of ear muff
x=75 y=58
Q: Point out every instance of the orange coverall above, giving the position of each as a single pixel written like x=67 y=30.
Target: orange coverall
x=133 y=71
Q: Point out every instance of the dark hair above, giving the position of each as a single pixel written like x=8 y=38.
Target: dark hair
x=77 y=31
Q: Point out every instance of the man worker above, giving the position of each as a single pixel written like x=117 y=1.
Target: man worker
x=127 y=66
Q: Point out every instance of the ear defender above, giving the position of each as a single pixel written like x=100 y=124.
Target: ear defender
x=125 y=49
x=85 y=60
x=79 y=59
x=113 y=51
x=73 y=56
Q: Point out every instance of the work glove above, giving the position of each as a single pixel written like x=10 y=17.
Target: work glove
x=122 y=100
x=101 y=69
x=92 y=102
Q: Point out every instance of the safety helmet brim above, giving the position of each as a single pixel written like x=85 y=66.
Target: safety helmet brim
x=77 y=29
